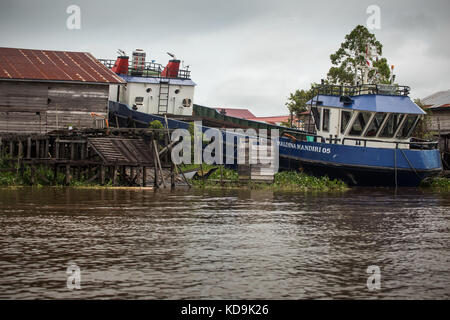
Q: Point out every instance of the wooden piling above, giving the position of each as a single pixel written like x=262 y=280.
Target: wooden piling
x=33 y=174
x=20 y=154
x=144 y=176
x=102 y=174
x=37 y=148
x=114 y=175
x=67 y=174
x=29 y=147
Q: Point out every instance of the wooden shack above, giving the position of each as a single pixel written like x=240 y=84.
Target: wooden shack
x=43 y=90
x=438 y=107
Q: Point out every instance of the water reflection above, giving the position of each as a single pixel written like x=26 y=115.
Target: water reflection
x=223 y=244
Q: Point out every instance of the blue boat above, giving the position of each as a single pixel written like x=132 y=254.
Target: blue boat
x=363 y=132
x=364 y=137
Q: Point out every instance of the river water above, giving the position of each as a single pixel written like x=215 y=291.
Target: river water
x=237 y=244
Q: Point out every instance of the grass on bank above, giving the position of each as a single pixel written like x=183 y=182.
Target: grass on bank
x=285 y=180
x=13 y=177
x=437 y=184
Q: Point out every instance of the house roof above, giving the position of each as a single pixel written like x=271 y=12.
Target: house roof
x=277 y=119
x=372 y=102
x=440 y=99
x=237 y=113
x=49 y=65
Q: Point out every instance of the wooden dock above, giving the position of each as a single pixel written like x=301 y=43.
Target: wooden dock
x=118 y=157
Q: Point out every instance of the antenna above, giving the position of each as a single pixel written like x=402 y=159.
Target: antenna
x=120 y=52
x=171 y=54
x=184 y=66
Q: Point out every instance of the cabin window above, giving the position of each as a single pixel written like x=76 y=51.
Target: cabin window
x=139 y=100
x=345 y=119
x=408 y=126
x=360 y=123
x=316 y=115
x=375 y=125
x=326 y=120
x=391 y=125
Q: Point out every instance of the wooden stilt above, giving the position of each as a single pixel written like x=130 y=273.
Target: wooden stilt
x=55 y=174
x=144 y=176
x=67 y=174
x=158 y=162
x=33 y=174
x=114 y=175
x=20 y=155
x=172 y=176
x=102 y=174
x=47 y=148
x=139 y=176
x=72 y=151
x=56 y=153
x=29 y=148
x=37 y=148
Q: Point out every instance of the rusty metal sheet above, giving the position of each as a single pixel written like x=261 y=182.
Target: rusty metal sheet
x=27 y=64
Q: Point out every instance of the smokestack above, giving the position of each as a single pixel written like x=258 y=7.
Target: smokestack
x=171 y=70
x=121 y=65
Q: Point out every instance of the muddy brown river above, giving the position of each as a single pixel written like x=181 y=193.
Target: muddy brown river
x=223 y=244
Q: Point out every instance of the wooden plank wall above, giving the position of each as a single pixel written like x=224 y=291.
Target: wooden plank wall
x=32 y=107
x=440 y=119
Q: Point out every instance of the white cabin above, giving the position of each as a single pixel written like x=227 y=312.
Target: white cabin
x=150 y=87
x=370 y=118
x=149 y=95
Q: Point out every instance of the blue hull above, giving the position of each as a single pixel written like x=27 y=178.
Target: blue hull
x=362 y=165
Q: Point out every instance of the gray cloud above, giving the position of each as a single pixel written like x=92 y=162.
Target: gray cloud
x=242 y=53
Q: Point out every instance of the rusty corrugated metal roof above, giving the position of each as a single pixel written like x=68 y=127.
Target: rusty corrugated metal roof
x=27 y=64
x=437 y=100
x=237 y=113
x=117 y=150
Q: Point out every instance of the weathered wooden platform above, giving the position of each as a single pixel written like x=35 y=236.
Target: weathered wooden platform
x=131 y=157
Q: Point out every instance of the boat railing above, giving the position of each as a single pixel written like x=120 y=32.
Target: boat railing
x=424 y=145
x=342 y=90
x=147 y=70
x=414 y=144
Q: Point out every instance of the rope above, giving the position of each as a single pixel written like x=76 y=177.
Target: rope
x=409 y=163
x=395 y=168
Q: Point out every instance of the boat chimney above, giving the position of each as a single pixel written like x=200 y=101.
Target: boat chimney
x=121 y=64
x=172 y=68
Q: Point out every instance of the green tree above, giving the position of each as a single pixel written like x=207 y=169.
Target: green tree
x=297 y=101
x=351 y=56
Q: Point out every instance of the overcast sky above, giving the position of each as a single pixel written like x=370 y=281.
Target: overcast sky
x=242 y=53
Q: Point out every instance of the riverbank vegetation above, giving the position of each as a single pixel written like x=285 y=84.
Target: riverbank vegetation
x=208 y=176
x=22 y=176
x=286 y=180
x=436 y=184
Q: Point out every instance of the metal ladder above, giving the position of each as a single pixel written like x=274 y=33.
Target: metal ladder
x=163 y=103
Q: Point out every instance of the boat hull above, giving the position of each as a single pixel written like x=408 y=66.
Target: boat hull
x=362 y=166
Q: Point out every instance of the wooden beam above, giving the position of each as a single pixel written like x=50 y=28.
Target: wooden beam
x=155 y=148
x=29 y=141
x=102 y=174
x=67 y=174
